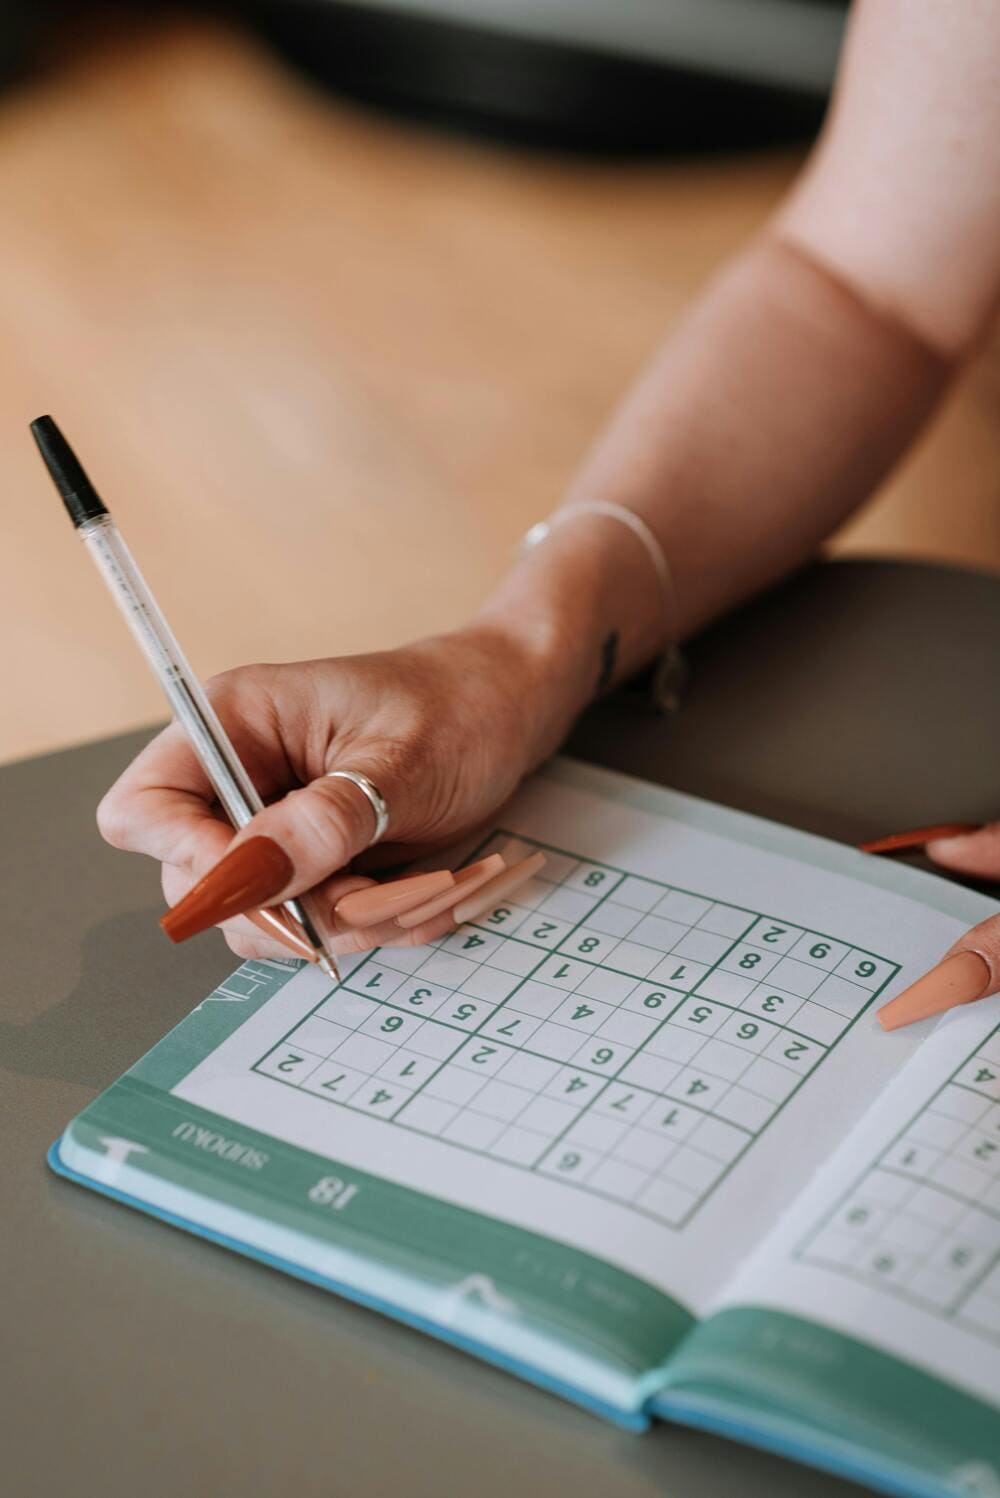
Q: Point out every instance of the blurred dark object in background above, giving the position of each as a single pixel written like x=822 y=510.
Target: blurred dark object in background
x=606 y=76
x=23 y=25
x=595 y=75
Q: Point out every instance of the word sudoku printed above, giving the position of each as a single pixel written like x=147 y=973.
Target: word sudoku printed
x=924 y=1220
x=614 y=1032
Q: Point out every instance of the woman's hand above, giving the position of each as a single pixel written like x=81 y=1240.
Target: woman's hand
x=445 y=729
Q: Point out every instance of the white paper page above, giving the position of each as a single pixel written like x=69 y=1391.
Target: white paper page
x=897 y=1241
x=645 y=1054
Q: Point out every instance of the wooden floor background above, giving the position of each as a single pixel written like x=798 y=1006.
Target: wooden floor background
x=327 y=367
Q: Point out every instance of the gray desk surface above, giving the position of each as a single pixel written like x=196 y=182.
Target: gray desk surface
x=135 y=1359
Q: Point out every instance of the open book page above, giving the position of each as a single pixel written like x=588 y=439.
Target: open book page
x=561 y=1129
x=885 y=1275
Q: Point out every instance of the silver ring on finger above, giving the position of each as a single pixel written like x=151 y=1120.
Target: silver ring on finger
x=373 y=795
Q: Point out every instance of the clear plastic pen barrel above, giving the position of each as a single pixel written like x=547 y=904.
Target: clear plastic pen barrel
x=186 y=697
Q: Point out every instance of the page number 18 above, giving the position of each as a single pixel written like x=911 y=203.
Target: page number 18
x=331 y=1191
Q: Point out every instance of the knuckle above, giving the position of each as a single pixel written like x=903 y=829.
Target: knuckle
x=400 y=760
x=224 y=686
x=113 y=819
x=414 y=772
x=233 y=684
x=325 y=815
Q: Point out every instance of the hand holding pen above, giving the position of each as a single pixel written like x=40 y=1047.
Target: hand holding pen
x=315 y=825
x=418 y=746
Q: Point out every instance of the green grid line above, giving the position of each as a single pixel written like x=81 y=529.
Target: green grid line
x=607 y=1078
x=963 y=1293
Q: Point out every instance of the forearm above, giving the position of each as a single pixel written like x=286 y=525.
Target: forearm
x=772 y=411
x=804 y=370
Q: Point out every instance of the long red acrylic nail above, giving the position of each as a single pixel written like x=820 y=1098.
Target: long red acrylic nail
x=250 y=875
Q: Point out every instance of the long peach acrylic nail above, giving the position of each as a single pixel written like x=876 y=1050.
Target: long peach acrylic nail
x=383 y=902
x=250 y=875
x=472 y=877
x=959 y=979
x=484 y=899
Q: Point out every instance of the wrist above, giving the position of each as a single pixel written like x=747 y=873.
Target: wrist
x=534 y=692
x=582 y=611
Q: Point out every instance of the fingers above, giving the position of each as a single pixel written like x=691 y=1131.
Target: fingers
x=264 y=932
x=286 y=849
x=251 y=935
x=976 y=853
x=969 y=971
x=470 y=892
x=162 y=804
x=380 y=718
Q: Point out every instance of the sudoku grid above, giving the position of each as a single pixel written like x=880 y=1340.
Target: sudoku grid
x=618 y=1033
x=924 y=1220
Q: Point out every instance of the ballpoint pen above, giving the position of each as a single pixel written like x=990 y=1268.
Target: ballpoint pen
x=192 y=709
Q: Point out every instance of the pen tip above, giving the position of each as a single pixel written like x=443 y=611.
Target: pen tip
x=328 y=966
x=78 y=494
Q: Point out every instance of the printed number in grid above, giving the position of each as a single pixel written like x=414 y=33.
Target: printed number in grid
x=606 y=1030
x=924 y=1221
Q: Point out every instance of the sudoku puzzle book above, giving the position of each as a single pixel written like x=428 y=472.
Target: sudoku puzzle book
x=633 y=1134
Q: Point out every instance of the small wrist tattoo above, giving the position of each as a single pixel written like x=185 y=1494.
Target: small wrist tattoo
x=609 y=660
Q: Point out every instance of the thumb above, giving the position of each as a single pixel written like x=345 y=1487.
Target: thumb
x=288 y=848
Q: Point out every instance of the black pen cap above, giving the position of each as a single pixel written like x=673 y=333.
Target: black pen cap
x=78 y=494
